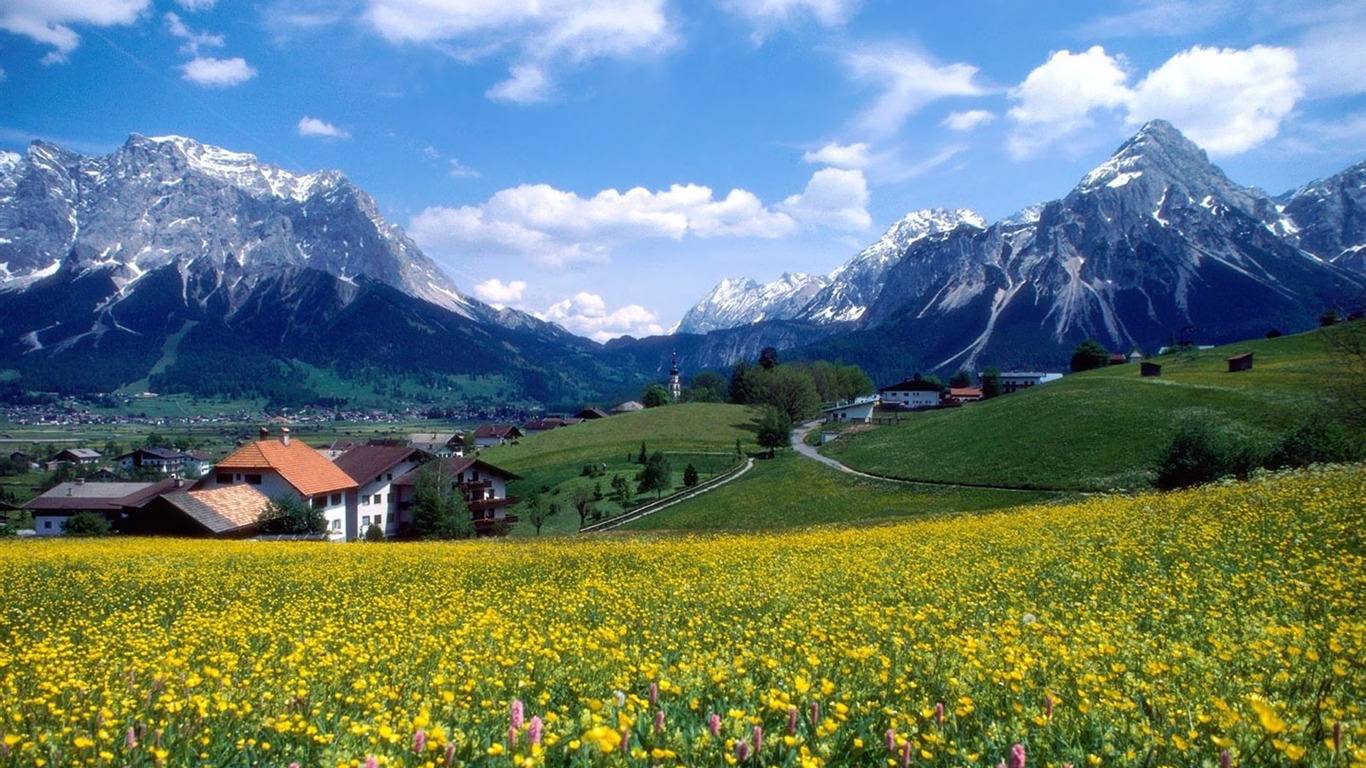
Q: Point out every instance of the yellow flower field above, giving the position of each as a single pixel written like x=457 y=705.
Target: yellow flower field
x=1156 y=630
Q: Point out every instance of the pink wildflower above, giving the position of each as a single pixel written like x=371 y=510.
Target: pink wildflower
x=516 y=715
x=1017 y=756
x=659 y=721
x=742 y=751
x=1048 y=706
x=512 y=738
x=906 y=754
x=714 y=724
x=1225 y=759
x=625 y=742
x=130 y=738
x=654 y=693
x=371 y=762
x=891 y=740
x=419 y=741
x=815 y=713
x=939 y=712
x=450 y=754
x=758 y=736
x=791 y=721
x=533 y=730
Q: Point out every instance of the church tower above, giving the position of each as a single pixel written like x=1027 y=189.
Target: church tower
x=675 y=388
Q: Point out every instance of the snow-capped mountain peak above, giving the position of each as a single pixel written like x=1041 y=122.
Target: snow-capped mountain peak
x=742 y=301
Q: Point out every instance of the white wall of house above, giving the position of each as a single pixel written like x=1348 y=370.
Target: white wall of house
x=852 y=412
x=49 y=525
x=378 y=503
x=911 y=398
x=341 y=521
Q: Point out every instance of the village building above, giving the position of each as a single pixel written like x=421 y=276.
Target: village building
x=965 y=394
x=1149 y=370
x=590 y=413
x=1241 y=362
x=167 y=461
x=73 y=457
x=112 y=501
x=630 y=406
x=1014 y=381
x=287 y=466
x=675 y=384
x=374 y=468
x=227 y=512
x=439 y=444
x=910 y=394
x=861 y=410
x=489 y=435
x=482 y=485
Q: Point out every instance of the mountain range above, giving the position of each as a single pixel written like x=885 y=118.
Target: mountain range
x=184 y=267
x=181 y=267
x=1153 y=245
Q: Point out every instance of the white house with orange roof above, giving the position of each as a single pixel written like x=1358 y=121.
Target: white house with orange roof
x=275 y=467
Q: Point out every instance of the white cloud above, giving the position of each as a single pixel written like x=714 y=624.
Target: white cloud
x=1227 y=101
x=196 y=5
x=967 y=121
x=312 y=126
x=218 y=73
x=840 y=155
x=494 y=291
x=835 y=197
x=1058 y=98
x=461 y=171
x=527 y=85
x=768 y=15
x=193 y=40
x=49 y=23
x=533 y=34
x=908 y=81
x=557 y=228
x=2 y=75
x=586 y=314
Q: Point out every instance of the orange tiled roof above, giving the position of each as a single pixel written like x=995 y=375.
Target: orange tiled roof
x=302 y=467
x=221 y=510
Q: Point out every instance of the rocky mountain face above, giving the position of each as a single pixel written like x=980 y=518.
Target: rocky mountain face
x=841 y=297
x=1330 y=217
x=157 y=257
x=1154 y=243
x=741 y=301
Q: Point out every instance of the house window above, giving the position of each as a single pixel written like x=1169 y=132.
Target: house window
x=365 y=521
x=47 y=524
x=336 y=525
x=253 y=479
x=336 y=499
x=319 y=502
x=389 y=477
x=379 y=520
x=223 y=478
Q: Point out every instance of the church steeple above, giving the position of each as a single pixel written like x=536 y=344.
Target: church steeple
x=675 y=387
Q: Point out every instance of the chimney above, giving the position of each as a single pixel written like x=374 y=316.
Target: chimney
x=177 y=481
x=80 y=481
x=265 y=433
x=284 y=435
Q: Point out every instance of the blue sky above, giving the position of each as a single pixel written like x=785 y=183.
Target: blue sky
x=604 y=163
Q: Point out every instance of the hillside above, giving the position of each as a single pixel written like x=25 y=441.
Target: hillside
x=1103 y=429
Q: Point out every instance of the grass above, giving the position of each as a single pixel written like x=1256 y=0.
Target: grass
x=1102 y=429
x=701 y=433
x=790 y=491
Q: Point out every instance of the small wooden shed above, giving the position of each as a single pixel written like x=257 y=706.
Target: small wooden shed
x=1241 y=362
x=1149 y=370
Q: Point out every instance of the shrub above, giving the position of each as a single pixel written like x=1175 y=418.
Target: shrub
x=374 y=533
x=1320 y=439
x=1197 y=454
x=86 y=524
x=289 y=515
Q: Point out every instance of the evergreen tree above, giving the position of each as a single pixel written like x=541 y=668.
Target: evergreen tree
x=439 y=509
x=1089 y=355
x=991 y=383
x=657 y=475
x=689 y=476
x=775 y=429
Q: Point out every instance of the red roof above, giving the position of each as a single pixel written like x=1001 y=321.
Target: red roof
x=302 y=467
